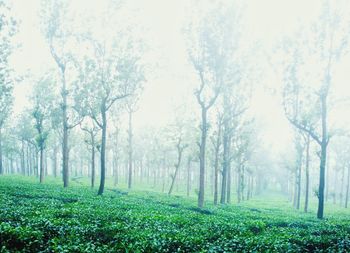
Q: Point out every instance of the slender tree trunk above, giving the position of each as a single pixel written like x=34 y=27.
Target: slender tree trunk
x=173 y=178
x=177 y=166
x=130 y=150
x=335 y=180
x=342 y=186
x=298 y=186
x=54 y=162
x=115 y=168
x=228 y=180
x=323 y=161
x=327 y=180
x=239 y=178
x=224 y=165
x=188 y=176
x=216 y=172
x=65 y=149
x=202 y=158
x=42 y=168
x=347 y=188
x=28 y=160
x=248 y=186
x=242 y=182
x=307 y=174
x=93 y=162
x=103 y=150
x=23 y=169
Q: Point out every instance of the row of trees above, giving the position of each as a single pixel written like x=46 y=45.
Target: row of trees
x=87 y=100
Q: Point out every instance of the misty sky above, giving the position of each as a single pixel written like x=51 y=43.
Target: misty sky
x=170 y=79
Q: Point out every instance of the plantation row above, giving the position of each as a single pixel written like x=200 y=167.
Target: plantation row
x=47 y=218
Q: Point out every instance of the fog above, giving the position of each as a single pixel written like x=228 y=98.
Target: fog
x=209 y=97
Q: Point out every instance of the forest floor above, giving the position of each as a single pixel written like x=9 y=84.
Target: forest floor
x=48 y=218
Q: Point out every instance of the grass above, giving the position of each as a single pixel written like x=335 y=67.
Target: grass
x=48 y=218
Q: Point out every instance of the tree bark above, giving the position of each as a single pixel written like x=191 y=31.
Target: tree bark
x=224 y=165
x=92 y=161
x=42 y=172
x=323 y=161
x=342 y=186
x=54 y=162
x=228 y=193
x=298 y=186
x=202 y=158
x=65 y=150
x=239 y=178
x=103 y=150
x=307 y=174
x=23 y=169
x=347 y=188
x=130 y=150
x=188 y=176
x=115 y=168
x=177 y=165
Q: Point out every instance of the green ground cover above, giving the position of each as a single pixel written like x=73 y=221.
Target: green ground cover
x=48 y=218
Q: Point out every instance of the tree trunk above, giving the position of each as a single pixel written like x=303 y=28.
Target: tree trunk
x=188 y=176
x=347 y=188
x=202 y=158
x=242 y=182
x=342 y=186
x=42 y=172
x=323 y=161
x=327 y=180
x=173 y=178
x=228 y=180
x=27 y=160
x=54 y=167
x=130 y=150
x=298 y=186
x=115 y=168
x=239 y=178
x=65 y=150
x=177 y=166
x=224 y=165
x=307 y=174
x=23 y=169
x=93 y=162
x=216 y=167
x=103 y=150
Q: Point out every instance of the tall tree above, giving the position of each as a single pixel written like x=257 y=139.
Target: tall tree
x=56 y=27
x=131 y=107
x=91 y=130
x=109 y=74
x=217 y=143
x=305 y=108
x=7 y=30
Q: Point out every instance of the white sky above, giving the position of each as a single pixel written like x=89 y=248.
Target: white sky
x=265 y=22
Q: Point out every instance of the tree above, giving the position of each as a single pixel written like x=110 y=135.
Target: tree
x=58 y=36
x=217 y=142
x=7 y=30
x=305 y=108
x=90 y=128
x=41 y=111
x=242 y=151
x=107 y=75
x=131 y=107
x=307 y=142
x=180 y=132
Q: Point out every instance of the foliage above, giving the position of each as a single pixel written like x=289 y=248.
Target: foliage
x=45 y=218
